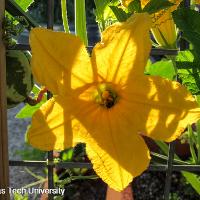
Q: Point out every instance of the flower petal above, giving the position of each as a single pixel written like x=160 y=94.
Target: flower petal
x=118 y=55
x=159 y=108
x=60 y=60
x=54 y=127
x=117 y=155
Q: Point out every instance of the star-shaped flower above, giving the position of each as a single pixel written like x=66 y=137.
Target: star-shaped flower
x=106 y=100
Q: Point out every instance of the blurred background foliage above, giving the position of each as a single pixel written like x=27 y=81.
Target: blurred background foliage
x=38 y=10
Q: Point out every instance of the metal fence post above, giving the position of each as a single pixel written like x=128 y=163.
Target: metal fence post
x=50 y=22
x=169 y=170
x=4 y=170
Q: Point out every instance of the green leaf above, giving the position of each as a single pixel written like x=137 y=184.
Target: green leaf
x=27 y=111
x=198 y=100
x=193 y=180
x=114 y=3
x=101 y=5
x=121 y=15
x=188 y=71
x=185 y=56
x=15 y=10
x=163 y=68
x=24 y=4
x=64 y=15
x=165 y=148
x=191 y=143
x=188 y=21
x=30 y=153
x=18 y=196
x=154 y=6
x=135 y=6
x=67 y=155
x=104 y=15
x=80 y=21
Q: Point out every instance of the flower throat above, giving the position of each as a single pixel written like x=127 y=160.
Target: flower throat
x=106 y=96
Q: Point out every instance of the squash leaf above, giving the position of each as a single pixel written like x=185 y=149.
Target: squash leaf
x=189 y=71
x=188 y=21
x=104 y=14
x=24 y=4
x=193 y=180
x=135 y=6
x=154 y=6
x=163 y=68
x=27 y=111
x=120 y=14
x=17 y=10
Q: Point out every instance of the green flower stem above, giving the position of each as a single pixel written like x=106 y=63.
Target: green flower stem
x=191 y=143
x=198 y=142
x=64 y=15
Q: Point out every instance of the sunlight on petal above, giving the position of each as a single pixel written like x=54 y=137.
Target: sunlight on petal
x=119 y=52
x=60 y=60
x=115 y=158
x=54 y=127
x=161 y=109
x=106 y=105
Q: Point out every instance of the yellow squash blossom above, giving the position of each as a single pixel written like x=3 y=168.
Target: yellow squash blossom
x=105 y=100
x=164 y=29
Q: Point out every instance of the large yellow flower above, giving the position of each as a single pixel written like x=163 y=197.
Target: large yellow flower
x=164 y=29
x=106 y=100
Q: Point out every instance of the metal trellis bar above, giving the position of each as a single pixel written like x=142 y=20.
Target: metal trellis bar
x=4 y=169
x=169 y=170
x=154 y=52
x=50 y=23
x=152 y=167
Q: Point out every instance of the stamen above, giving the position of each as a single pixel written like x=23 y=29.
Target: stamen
x=106 y=96
x=107 y=99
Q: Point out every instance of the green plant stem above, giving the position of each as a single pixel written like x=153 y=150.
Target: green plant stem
x=34 y=175
x=191 y=143
x=34 y=183
x=80 y=21
x=84 y=177
x=64 y=15
x=163 y=157
x=198 y=142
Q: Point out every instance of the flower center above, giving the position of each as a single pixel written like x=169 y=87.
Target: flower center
x=106 y=96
